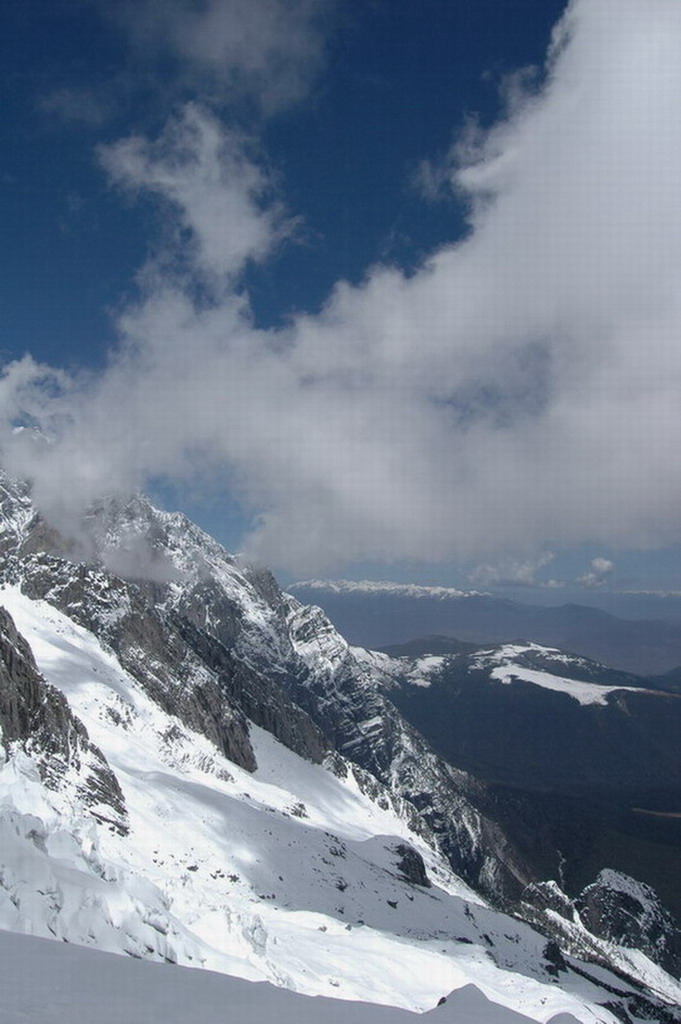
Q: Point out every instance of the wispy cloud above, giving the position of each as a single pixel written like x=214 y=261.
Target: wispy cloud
x=87 y=107
x=219 y=203
x=253 y=58
x=520 y=391
x=511 y=572
x=268 y=53
x=600 y=569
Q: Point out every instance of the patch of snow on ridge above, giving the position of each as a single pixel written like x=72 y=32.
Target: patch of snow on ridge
x=288 y=874
x=424 y=668
x=506 y=670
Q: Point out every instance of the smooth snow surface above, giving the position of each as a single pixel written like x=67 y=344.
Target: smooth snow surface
x=46 y=983
x=288 y=875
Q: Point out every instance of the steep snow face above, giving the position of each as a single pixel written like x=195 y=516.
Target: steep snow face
x=37 y=722
x=236 y=856
x=235 y=638
x=241 y=648
x=506 y=665
x=289 y=873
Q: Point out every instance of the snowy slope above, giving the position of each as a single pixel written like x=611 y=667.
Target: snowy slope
x=46 y=983
x=288 y=874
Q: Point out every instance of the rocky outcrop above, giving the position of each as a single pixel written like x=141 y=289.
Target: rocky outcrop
x=411 y=866
x=548 y=895
x=261 y=699
x=623 y=910
x=146 y=643
x=36 y=718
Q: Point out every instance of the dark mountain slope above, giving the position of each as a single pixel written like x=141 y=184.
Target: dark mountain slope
x=582 y=764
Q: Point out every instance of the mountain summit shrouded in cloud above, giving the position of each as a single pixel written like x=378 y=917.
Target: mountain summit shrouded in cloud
x=518 y=391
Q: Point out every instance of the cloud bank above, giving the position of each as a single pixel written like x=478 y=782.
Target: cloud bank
x=520 y=392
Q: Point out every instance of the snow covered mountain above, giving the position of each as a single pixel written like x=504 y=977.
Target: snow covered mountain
x=198 y=769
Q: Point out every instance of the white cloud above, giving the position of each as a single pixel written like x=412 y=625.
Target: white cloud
x=217 y=192
x=599 y=570
x=521 y=390
x=512 y=572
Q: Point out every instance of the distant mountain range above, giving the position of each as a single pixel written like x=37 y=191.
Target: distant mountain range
x=375 y=615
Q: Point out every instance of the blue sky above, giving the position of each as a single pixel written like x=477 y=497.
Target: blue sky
x=399 y=82
x=357 y=284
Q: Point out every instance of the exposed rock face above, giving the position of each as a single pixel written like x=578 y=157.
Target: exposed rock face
x=146 y=643
x=340 y=692
x=411 y=865
x=549 y=896
x=37 y=719
x=262 y=700
x=16 y=512
x=623 y=910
